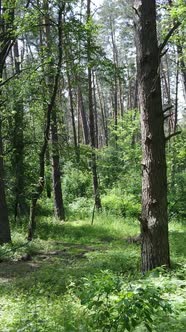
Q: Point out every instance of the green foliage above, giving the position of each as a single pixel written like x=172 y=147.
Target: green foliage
x=176 y=160
x=119 y=203
x=119 y=306
x=120 y=164
x=86 y=278
x=80 y=208
x=76 y=183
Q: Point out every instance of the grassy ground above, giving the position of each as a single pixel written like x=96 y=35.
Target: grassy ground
x=78 y=277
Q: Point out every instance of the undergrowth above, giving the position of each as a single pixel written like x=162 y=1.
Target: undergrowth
x=78 y=277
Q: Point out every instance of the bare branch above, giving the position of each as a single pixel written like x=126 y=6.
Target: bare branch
x=168 y=116
x=172 y=135
x=170 y=33
x=162 y=54
x=167 y=108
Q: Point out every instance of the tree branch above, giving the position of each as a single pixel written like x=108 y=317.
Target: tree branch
x=167 y=116
x=170 y=33
x=172 y=135
x=167 y=108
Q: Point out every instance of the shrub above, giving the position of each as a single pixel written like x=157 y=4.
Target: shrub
x=76 y=183
x=121 y=204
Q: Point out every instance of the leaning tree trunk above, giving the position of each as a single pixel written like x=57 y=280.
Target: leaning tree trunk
x=154 y=220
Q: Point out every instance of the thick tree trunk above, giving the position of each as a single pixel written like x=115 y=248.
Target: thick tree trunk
x=154 y=220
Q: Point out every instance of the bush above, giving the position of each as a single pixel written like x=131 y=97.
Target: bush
x=121 y=204
x=116 y=305
x=80 y=208
x=76 y=183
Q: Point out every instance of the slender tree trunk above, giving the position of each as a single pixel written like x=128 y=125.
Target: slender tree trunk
x=176 y=98
x=72 y=116
x=56 y=173
x=40 y=185
x=96 y=113
x=83 y=116
x=4 y=221
x=154 y=220
x=5 y=46
x=104 y=122
x=18 y=144
x=91 y=115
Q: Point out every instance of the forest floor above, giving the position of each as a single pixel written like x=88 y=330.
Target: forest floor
x=55 y=283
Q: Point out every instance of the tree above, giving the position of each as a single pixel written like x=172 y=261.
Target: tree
x=154 y=219
x=6 y=26
x=51 y=104
x=91 y=111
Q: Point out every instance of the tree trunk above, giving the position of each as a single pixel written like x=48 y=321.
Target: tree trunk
x=83 y=116
x=56 y=174
x=6 y=25
x=4 y=222
x=91 y=116
x=18 y=145
x=40 y=185
x=154 y=220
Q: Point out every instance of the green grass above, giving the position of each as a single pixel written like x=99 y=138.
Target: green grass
x=87 y=278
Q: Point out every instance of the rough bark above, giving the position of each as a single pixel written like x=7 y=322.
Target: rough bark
x=154 y=220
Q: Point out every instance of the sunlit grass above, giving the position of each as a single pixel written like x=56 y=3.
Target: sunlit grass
x=47 y=292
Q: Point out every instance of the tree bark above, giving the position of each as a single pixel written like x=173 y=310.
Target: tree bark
x=154 y=219
x=4 y=221
x=91 y=115
x=5 y=46
x=56 y=173
x=18 y=144
x=40 y=185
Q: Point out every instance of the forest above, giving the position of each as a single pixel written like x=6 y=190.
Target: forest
x=92 y=165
